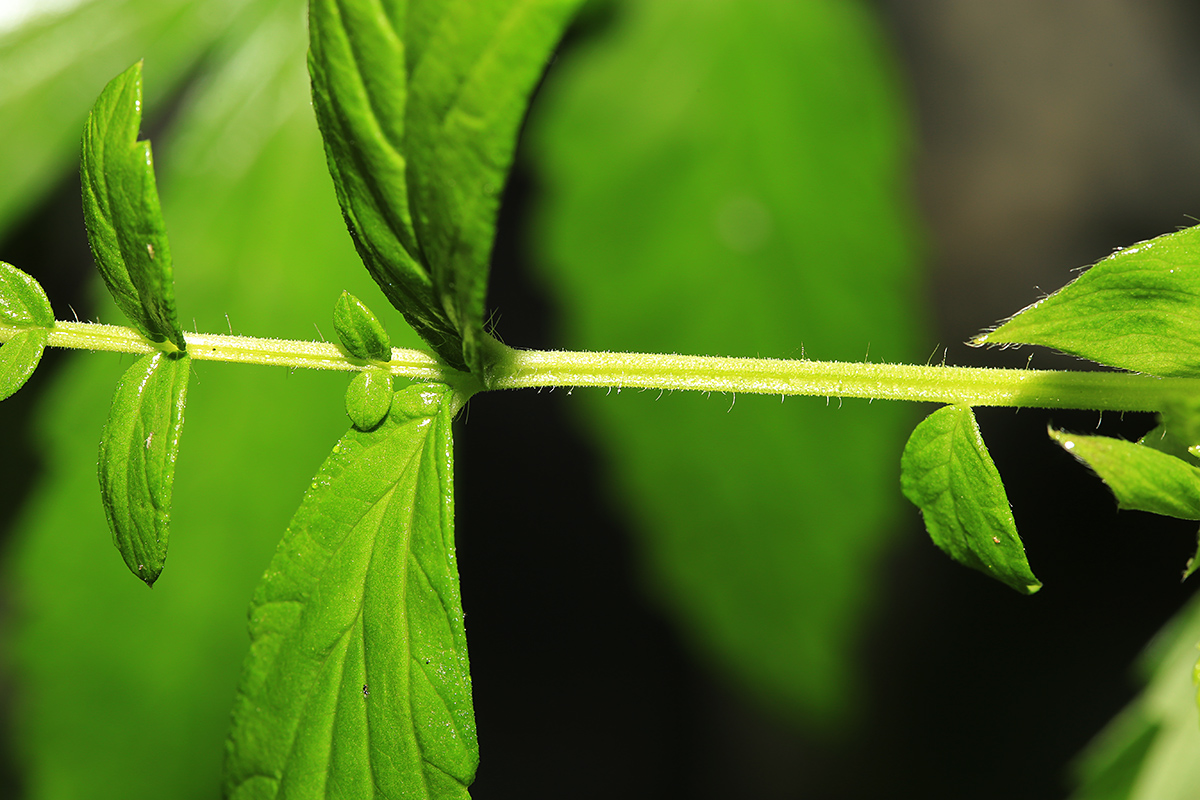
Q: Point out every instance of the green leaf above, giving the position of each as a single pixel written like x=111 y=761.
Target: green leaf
x=1151 y=750
x=122 y=213
x=23 y=304
x=19 y=357
x=368 y=398
x=138 y=450
x=708 y=170
x=946 y=472
x=420 y=104
x=360 y=331
x=357 y=681
x=1142 y=478
x=1138 y=309
x=126 y=697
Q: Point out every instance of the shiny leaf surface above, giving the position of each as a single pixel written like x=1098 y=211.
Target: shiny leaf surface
x=357 y=680
x=360 y=331
x=23 y=304
x=122 y=213
x=138 y=450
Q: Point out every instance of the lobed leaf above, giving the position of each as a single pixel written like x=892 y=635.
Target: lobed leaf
x=138 y=450
x=23 y=304
x=420 y=104
x=1138 y=309
x=360 y=331
x=357 y=681
x=122 y=213
x=946 y=472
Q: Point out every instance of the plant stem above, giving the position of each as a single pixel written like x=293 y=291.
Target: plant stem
x=1107 y=391
x=516 y=369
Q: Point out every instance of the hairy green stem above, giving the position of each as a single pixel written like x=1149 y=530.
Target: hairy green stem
x=517 y=369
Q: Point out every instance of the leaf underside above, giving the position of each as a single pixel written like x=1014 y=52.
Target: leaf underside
x=122 y=212
x=1138 y=309
x=357 y=683
x=946 y=472
x=1143 y=478
x=138 y=450
x=419 y=104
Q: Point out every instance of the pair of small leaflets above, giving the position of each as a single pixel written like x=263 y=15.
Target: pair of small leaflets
x=369 y=395
x=26 y=319
x=357 y=681
x=1142 y=476
x=140 y=443
x=946 y=472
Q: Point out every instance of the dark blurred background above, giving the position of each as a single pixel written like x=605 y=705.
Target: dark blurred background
x=1048 y=134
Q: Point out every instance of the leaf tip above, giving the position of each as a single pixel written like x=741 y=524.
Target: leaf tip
x=979 y=339
x=1062 y=438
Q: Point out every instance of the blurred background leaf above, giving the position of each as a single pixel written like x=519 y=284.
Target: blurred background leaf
x=55 y=64
x=729 y=178
x=1151 y=750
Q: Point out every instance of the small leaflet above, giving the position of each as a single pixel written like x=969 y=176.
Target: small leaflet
x=360 y=331
x=1142 y=478
x=138 y=450
x=122 y=213
x=1138 y=309
x=357 y=681
x=368 y=398
x=23 y=305
x=946 y=472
